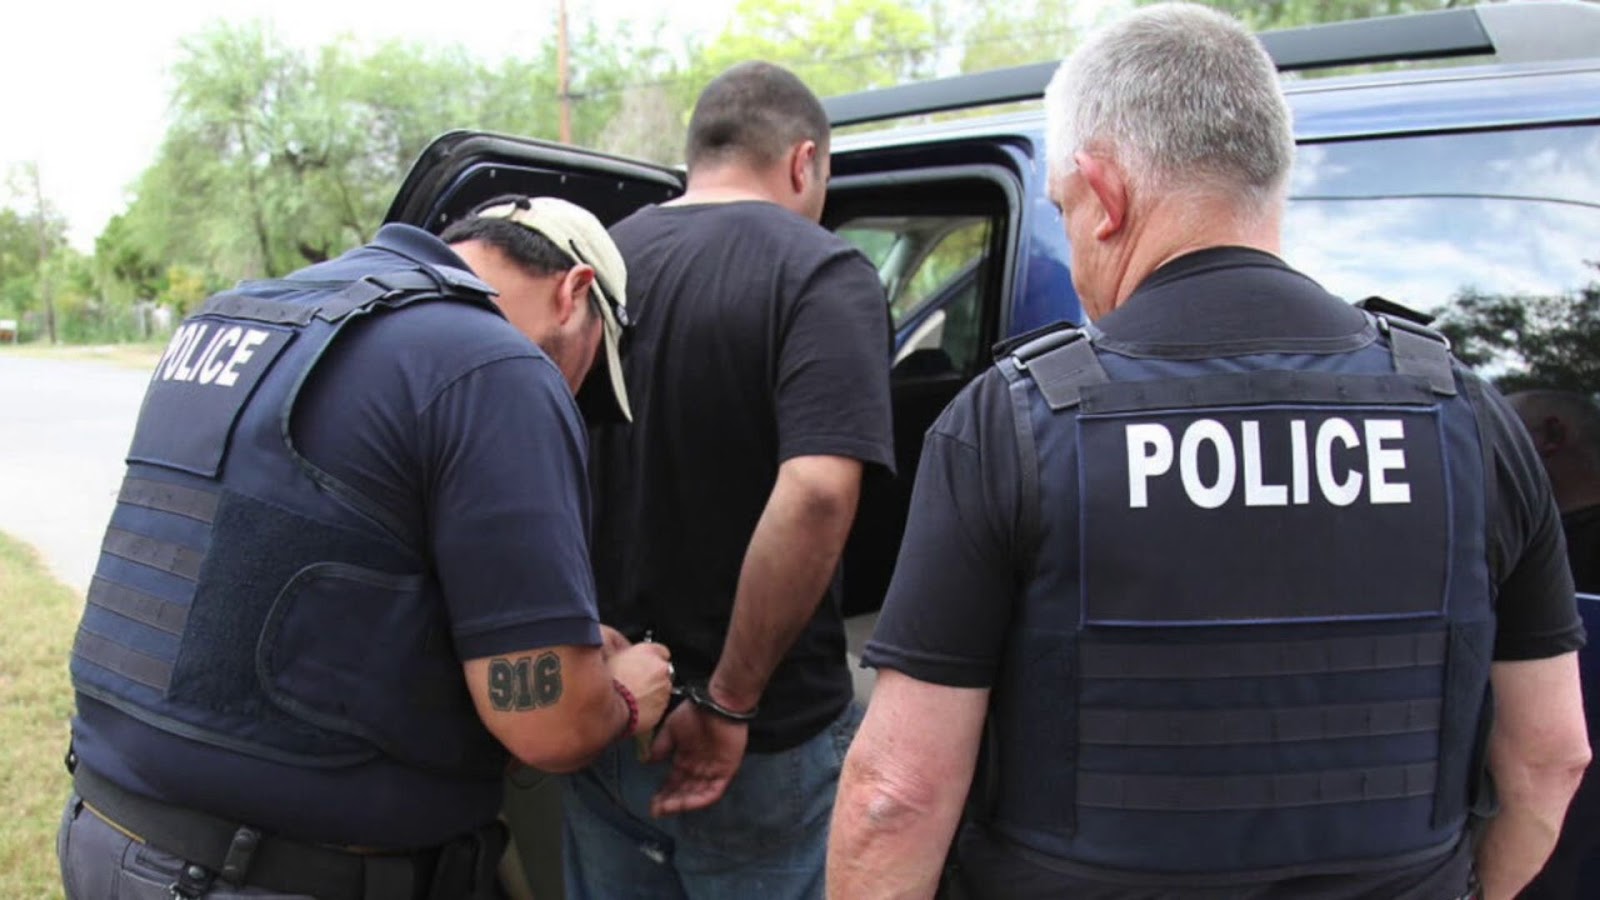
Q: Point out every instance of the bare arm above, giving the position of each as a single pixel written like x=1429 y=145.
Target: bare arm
x=555 y=708
x=904 y=784
x=792 y=555
x=1538 y=749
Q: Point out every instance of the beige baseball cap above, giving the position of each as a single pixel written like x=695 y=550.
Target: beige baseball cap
x=580 y=235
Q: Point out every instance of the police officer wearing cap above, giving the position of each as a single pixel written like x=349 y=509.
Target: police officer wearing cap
x=346 y=579
x=1213 y=598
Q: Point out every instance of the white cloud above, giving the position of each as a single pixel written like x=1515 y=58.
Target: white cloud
x=1422 y=251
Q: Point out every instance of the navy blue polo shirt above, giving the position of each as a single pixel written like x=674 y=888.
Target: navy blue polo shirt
x=467 y=434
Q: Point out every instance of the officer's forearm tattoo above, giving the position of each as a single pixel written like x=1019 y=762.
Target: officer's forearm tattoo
x=525 y=683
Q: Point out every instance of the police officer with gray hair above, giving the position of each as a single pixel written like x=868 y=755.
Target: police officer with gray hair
x=1239 y=591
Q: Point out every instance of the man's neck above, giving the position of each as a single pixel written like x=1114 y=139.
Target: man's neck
x=727 y=184
x=1575 y=490
x=1186 y=227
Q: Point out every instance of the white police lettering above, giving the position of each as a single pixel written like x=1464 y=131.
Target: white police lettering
x=211 y=366
x=1208 y=431
x=1338 y=494
x=1381 y=460
x=184 y=360
x=1300 y=475
x=1256 y=491
x=241 y=355
x=175 y=350
x=1150 y=455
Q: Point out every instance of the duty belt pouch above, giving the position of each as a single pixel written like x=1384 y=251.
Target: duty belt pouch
x=467 y=865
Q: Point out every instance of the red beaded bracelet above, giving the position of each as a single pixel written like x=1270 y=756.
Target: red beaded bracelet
x=632 y=725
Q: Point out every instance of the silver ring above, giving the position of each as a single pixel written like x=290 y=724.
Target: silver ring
x=671 y=672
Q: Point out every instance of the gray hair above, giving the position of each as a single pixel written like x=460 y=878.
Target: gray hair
x=1184 y=97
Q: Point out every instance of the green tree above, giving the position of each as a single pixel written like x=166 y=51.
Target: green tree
x=1261 y=15
x=996 y=35
x=277 y=157
x=849 y=45
x=123 y=270
x=1529 y=341
x=32 y=233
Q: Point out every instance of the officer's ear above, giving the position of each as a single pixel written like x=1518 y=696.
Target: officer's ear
x=572 y=292
x=1551 y=436
x=1109 y=185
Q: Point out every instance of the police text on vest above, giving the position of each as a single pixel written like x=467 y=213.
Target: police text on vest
x=226 y=348
x=1151 y=452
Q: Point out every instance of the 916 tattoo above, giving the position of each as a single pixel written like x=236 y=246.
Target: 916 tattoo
x=525 y=683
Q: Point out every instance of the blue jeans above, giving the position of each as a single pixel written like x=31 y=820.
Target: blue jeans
x=766 y=838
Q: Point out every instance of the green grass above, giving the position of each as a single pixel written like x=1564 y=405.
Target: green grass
x=35 y=703
x=132 y=356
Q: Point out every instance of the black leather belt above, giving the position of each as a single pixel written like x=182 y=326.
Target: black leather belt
x=461 y=869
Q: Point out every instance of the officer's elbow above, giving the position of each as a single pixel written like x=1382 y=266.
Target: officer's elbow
x=1565 y=766
x=879 y=795
x=557 y=754
x=562 y=744
x=1548 y=769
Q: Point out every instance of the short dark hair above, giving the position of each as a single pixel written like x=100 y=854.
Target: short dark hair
x=1576 y=410
x=534 y=252
x=753 y=113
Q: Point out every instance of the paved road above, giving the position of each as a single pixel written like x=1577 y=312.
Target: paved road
x=64 y=428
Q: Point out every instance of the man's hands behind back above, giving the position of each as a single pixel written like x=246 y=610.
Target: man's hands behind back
x=706 y=751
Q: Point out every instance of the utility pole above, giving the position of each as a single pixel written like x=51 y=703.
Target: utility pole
x=44 y=251
x=563 y=83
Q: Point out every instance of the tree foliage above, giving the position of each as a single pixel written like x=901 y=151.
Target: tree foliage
x=32 y=232
x=1261 y=15
x=276 y=155
x=1526 y=341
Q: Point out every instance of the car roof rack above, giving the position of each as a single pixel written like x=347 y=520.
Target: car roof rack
x=1512 y=32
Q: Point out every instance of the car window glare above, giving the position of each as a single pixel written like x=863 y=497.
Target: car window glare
x=1495 y=232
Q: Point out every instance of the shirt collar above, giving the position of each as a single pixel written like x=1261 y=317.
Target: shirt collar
x=1225 y=293
x=417 y=245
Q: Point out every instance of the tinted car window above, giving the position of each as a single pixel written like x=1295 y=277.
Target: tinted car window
x=1497 y=232
x=930 y=269
x=917 y=256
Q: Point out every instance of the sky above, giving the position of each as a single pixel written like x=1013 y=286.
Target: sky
x=84 y=84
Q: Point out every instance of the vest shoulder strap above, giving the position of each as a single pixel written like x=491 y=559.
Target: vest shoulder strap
x=392 y=289
x=1385 y=307
x=1419 y=350
x=1062 y=363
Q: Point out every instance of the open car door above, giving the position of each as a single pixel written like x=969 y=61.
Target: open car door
x=461 y=169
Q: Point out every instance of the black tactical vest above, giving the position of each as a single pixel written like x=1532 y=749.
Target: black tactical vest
x=245 y=598
x=1255 y=639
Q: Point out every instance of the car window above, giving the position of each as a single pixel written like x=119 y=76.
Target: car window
x=917 y=256
x=874 y=242
x=1497 y=233
x=931 y=270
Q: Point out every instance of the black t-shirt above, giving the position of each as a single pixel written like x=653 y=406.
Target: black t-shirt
x=948 y=609
x=468 y=436
x=759 y=337
x=1582 y=527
